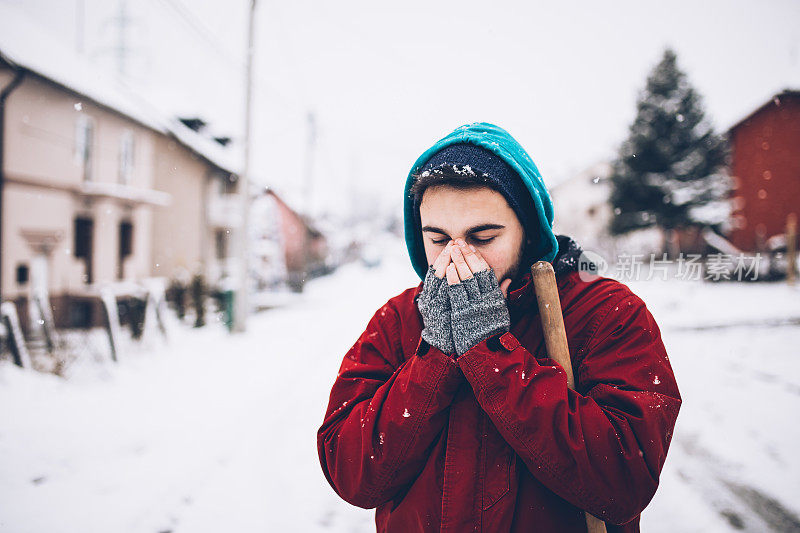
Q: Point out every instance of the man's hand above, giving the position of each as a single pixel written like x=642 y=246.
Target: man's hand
x=466 y=262
x=434 y=304
x=478 y=303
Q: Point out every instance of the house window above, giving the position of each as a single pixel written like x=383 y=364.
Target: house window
x=126 y=156
x=125 y=246
x=84 y=145
x=221 y=243
x=22 y=274
x=84 y=230
x=227 y=184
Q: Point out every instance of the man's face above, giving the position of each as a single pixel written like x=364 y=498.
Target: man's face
x=480 y=216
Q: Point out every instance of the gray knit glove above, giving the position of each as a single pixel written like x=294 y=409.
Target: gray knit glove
x=434 y=306
x=479 y=310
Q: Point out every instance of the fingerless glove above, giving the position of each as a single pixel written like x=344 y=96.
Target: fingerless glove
x=479 y=310
x=434 y=306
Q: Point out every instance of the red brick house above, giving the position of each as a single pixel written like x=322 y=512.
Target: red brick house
x=765 y=166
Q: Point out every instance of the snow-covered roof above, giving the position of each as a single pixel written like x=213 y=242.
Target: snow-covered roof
x=596 y=173
x=24 y=44
x=775 y=98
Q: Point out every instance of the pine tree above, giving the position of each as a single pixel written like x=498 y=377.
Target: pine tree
x=670 y=172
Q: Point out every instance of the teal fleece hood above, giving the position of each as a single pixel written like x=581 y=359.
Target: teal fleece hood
x=498 y=141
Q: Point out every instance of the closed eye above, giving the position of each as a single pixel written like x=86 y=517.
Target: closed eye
x=473 y=239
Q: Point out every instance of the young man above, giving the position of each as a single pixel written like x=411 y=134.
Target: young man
x=447 y=413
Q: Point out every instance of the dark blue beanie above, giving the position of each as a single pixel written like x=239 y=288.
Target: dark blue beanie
x=465 y=157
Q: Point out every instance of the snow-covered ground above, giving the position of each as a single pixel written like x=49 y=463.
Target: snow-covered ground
x=217 y=433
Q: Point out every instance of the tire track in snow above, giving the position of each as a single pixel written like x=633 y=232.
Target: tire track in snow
x=744 y=507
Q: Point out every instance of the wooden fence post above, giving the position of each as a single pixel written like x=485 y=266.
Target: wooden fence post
x=16 y=341
x=112 y=321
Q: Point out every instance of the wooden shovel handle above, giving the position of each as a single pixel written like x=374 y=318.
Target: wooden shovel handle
x=555 y=339
x=555 y=336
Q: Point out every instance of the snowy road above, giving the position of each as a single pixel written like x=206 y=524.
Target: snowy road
x=216 y=433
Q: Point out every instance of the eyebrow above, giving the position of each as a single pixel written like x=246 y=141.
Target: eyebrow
x=473 y=229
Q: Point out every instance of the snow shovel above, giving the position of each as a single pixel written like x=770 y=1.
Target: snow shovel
x=555 y=338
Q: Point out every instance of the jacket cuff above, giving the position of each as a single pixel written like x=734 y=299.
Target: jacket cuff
x=434 y=356
x=424 y=348
x=486 y=364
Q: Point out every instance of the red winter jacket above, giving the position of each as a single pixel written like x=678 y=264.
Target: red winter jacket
x=495 y=440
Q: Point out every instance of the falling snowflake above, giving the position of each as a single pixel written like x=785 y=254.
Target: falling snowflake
x=656 y=381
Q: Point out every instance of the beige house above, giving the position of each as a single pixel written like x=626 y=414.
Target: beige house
x=192 y=235
x=95 y=187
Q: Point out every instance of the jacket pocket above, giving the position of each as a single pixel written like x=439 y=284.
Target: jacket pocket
x=497 y=462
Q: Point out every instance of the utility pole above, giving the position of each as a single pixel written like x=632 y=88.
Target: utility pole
x=123 y=21
x=119 y=49
x=80 y=22
x=241 y=304
x=309 y=177
x=352 y=186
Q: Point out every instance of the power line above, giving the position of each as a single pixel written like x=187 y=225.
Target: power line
x=287 y=42
x=237 y=65
x=368 y=41
x=202 y=32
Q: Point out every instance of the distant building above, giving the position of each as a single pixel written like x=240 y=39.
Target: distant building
x=582 y=209
x=268 y=242
x=288 y=247
x=766 y=170
x=95 y=187
x=193 y=234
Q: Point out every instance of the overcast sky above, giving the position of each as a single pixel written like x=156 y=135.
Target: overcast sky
x=386 y=80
